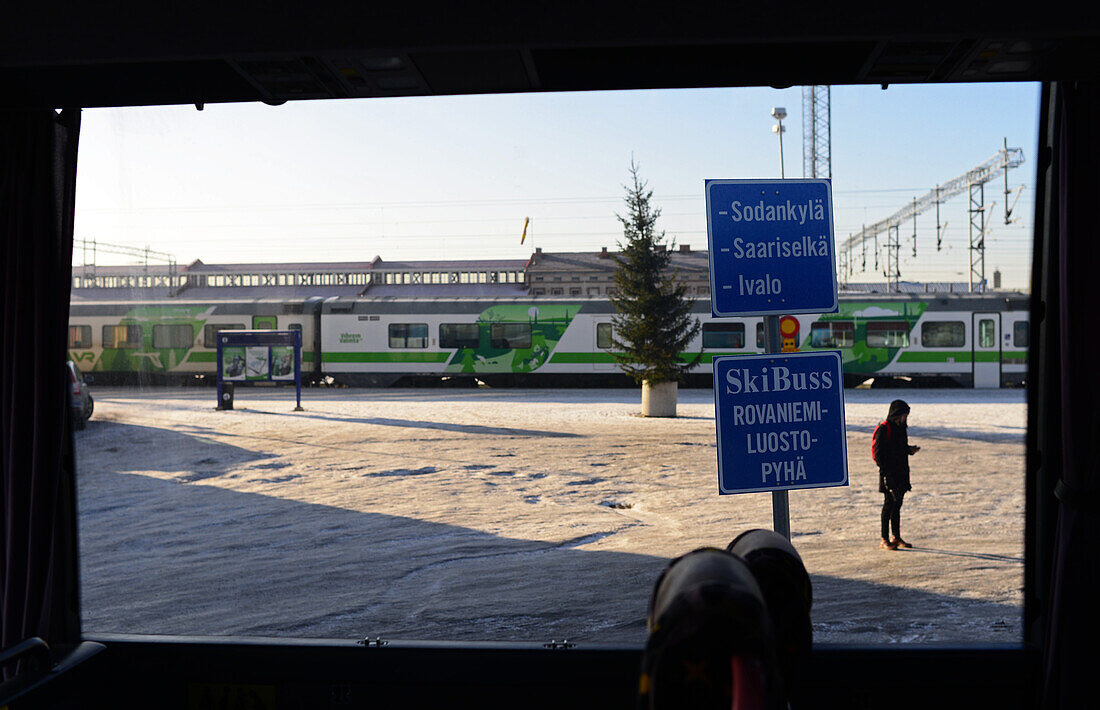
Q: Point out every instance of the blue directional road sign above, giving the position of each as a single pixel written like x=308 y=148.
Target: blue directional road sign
x=780 y=422
x=771 y=247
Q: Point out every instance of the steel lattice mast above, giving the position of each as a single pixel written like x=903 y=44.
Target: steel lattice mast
x=817 y=159
x=88 y=269
x=971 y=181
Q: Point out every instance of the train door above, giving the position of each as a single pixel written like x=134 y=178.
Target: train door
x=603 y=361
x=264 y=323
x=987 y=349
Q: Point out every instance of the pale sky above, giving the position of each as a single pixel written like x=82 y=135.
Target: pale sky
x=454 y=177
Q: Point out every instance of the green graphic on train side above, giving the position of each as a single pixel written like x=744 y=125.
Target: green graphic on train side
x=514 y=338
x=151 y=339
x=859 y=357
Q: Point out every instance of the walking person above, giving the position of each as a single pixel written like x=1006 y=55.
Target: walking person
x=891 y=451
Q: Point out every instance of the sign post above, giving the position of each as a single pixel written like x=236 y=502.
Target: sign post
x=781 y=507
x=771 y=246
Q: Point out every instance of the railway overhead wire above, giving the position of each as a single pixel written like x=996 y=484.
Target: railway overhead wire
x=972 y=181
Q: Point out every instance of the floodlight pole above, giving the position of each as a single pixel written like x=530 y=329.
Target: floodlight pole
x=779 y=113
x=781 y=509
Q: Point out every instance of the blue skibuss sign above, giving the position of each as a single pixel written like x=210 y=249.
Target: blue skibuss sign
x=780 y=421
x=260 y=357
x=771 y=246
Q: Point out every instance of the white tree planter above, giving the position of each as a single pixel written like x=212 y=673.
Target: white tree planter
x=659 y=400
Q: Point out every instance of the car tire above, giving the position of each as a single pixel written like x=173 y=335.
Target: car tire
x=88 y=409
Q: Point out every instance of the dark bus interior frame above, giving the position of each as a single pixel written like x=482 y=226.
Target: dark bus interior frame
x=79 y=55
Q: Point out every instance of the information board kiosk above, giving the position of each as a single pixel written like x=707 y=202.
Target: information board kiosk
x=252 y=358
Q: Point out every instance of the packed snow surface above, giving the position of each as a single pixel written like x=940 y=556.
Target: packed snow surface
x=518 y=515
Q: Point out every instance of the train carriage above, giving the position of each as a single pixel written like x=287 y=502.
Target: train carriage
x=965 y=339
x=974 y=340
x=977 y=340
x=173 y=342
x=503 y=340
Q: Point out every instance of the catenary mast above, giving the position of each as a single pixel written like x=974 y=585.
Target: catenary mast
x=972 y=181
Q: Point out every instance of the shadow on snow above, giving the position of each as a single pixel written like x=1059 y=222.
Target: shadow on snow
x=993 y=434
x=179 y=557
x=442 y=426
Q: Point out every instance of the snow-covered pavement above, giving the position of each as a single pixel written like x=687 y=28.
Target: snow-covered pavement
x=516 y=515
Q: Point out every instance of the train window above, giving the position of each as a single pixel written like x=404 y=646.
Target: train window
x=173 y=336
x=760 y=335
x=943 y=334
x=122 y=336
x=604 y=335
x=80 y=336
x=887 y=334
x=1020 y=334
x=723 y=335
x=210 y=332
x=510 y=336
x=458 y=335
x=832 y=334
x=986 y=334
x=408 y=335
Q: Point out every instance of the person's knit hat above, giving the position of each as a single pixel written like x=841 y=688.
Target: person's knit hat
x=897 y=408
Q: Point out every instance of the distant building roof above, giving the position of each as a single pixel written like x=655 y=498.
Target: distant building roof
x=120 y=294
x=202 y=293
x=472 y=290
x=159 y=281
x=683 y=259
x=248 y=293
x=198 y=267
x=452 y=265
x=907 y=287
x=127 y=270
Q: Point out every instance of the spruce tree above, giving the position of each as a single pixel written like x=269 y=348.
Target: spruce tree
x=654 y=325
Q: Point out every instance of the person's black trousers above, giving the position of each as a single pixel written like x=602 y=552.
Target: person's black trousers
x=891 y=514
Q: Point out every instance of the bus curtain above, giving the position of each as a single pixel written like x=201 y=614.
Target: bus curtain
x=38 y=572
x=1068 y=439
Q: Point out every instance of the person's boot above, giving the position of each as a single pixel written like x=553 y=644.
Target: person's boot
x=888 y=545
x=898 y=542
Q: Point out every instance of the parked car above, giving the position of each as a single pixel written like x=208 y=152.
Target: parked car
x=80 y=399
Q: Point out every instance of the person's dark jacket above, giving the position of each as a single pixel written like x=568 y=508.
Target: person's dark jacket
x=891 y=446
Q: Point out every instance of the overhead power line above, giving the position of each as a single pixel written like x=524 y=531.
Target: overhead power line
x=147 y=255
x=972 y=181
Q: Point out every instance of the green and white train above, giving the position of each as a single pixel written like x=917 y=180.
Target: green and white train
x=977 y=340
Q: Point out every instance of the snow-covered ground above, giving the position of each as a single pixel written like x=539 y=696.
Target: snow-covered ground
x=523 y=515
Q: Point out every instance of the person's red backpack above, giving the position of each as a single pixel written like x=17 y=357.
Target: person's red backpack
x=884 y=428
